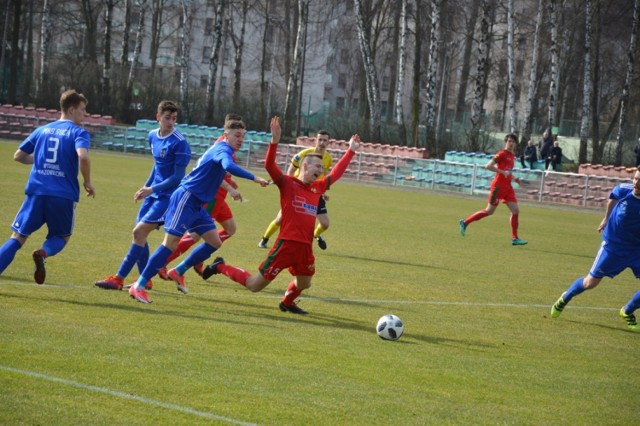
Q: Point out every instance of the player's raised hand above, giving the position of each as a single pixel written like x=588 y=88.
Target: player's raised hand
x=354 y=143
x=276 y=131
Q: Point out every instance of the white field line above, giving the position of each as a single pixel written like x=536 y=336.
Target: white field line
x=340 y=300
x=125 y=395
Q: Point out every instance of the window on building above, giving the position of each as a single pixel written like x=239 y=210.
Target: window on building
x=226 y=56
x=208 y=26
x=342 y=80
x=386 y=81
x=340 y=103
x=206 y=54
x=344 y=56
x=223 y=84
x=383 y=107
x=519 y=68
x=204 y=80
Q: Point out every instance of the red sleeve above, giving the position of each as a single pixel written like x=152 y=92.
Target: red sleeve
x=339 y=169
x=270 y=162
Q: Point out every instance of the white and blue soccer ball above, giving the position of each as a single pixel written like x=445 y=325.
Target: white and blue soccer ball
x=390 y=327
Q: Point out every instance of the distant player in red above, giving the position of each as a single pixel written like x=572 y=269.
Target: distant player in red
x=299 y=199
x=502 y=165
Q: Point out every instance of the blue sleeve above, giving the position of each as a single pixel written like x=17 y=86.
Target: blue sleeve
x=236 y=170
x=171 y=181
x=150 y=178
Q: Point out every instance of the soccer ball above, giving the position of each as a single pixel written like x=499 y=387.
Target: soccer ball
x=390 y=327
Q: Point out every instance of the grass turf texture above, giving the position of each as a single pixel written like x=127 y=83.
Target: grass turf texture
x=479 y=346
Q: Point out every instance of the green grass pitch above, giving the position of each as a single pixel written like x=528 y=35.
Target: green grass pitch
x=479 y=346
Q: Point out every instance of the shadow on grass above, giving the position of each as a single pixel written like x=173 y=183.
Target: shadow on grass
x=385 y=261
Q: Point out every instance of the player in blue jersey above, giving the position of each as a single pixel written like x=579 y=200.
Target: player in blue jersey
x=57 y=150
x=171 y=154
x=620 y=249
x=187 y=214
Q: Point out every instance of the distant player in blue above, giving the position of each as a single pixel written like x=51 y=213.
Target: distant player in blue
x=187 y=214
x=620 y=249
x=171 y=154
x=57 y=150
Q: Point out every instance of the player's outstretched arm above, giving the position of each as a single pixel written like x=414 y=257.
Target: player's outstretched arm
x=276 y=130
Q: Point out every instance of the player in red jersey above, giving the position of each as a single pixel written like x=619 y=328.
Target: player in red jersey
x=299 y=198
x=501 y=189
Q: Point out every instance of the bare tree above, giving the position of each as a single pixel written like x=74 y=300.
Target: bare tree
x=533 y=78
x=553 y=84
x=373 y=89
x=213 y=62
x=624 y=100
x=157 y=9
x=432 y=75
x=45 y=37
x=294 y=70
x=482 y=71
x=106 y=65
x=15 y=51
x=238 y=44
x=511 y=69
x=465 y=70
x=402 y=59
x=263 y=62
x=124 y=58
x=587 y=83
x=185 y=55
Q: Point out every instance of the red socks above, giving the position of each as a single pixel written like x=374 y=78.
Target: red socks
x=292 y=294
x=514 y=225
x=480 y=214
x=236 y=274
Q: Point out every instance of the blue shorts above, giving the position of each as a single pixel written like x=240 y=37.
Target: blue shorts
x=186 y=214
x=152 y=210
x=609 y=264
x=36 y=210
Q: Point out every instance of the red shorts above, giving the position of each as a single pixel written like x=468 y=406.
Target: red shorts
x=296 y=256
x=221 y=211
x=504 y=193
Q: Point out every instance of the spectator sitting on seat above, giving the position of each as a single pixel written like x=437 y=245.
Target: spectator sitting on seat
x=530 y=155
x=556 y=157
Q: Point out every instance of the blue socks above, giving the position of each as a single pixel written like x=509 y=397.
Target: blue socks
x=633 y=304
x=575 y=289
x=143 y=259
x=130 y=259
x=53 y=245
x=157 y=260
x=8 y=253
x=198 y=255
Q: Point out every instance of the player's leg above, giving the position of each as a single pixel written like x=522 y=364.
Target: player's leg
x=60 y=220
x=294 y=290
x=627 y=312
x=480 y=214
x=223 y=215
x=515 y=222
x=271 y=229
x=29 y=219
x=323 y=223
x=9 y=249
x=605 y=265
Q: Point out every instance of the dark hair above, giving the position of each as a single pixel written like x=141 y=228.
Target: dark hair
x=232 y=117
x=233 y=125
x=71 y=99
x=323 y=132
x=165 y=106
x=511 y=136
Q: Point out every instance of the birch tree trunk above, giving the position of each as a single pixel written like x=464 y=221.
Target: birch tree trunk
x=238 y=43
x=45 y=37
x=263 y=62
x=587 y=82
x=553 y=85
x=432 y=77
x=466 y=59
x=138 y=46
x=533 y=78
x=482 y=68
x=106 y=66
x=627 y=83
x=373 y=89
x=157 y=8
x=294 y=71
x=185 y=56
x=511 y=69
x=417 y=65
x=124 y=58
x=402 y=59
x=213 y=63
x=16 y=52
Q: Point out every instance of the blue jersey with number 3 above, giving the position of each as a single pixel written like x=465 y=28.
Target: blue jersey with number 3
x=55 y=160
